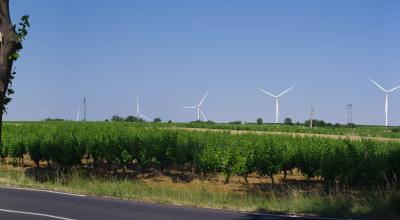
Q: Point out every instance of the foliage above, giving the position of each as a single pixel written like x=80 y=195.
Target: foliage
x=235 y=122
x=317 y=123
x=120 y=145
x=157 y=120
x=396 y=129
x=116 y=118
x=259 y=121
x=129 y=118
x=288 y=121
x=54 y=119
x=22 y=32
x=133 y=119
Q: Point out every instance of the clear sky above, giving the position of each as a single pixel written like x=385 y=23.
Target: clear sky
x=171 y=52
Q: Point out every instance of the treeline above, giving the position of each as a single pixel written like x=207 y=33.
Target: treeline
x=130 y=118
x=307 y=123
x=135 y=147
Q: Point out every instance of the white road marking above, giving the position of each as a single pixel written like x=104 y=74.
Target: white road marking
x=295 y=216
x=41 y=190
x=35 y=214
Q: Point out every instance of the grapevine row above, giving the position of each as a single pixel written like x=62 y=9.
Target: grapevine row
x=133 y=146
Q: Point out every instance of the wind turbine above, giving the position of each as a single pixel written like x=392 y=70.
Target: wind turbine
x=198 y=107
x=276 y=101
x=138 y=114
x=386 y=98
x=77 y=116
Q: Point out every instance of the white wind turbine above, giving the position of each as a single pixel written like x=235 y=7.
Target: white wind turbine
x=138 y=114
x=198 y=107
x=77 y=116
x=386 y=98
x=276 y=101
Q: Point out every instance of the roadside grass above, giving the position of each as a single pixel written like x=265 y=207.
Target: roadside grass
x=378 y=204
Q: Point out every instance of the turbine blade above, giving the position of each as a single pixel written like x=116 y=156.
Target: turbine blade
x=286 y=91
x=270 y=94
x=379 y=86
x=189 y=107
x=394 y=89
x=205 y=96
x=144 y=117
x=204 y=116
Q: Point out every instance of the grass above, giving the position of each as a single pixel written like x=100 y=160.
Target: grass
x=377 y=204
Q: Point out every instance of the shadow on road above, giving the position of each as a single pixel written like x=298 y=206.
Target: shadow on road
x=272 y=217
x=265 y=217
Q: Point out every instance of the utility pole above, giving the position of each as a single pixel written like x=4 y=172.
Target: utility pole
x=84 y=109
x=349 y=114
x=312 y=116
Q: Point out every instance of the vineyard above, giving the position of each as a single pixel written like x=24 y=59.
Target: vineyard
x=359 y=130
x=139 y=147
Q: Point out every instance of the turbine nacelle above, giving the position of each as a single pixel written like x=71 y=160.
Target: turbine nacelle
x=276 y=100
x=198 y=107
x=138 y=114
x=383 y=89
x=386 y=99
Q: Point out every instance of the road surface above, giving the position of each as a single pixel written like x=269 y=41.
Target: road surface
x=21 y=204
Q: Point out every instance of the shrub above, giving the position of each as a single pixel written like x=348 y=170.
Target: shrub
x=288 y=121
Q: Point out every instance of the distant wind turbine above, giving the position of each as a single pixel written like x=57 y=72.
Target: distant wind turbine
x=77 y=116
x=386 y=98
x=138 y=114
x=198 y=107
x=276 y=101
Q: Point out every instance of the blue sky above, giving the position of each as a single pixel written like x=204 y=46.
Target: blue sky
x=171 y=52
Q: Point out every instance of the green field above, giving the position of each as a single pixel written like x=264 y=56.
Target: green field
x=67 y=144
x=338 y=169
x=359 y=130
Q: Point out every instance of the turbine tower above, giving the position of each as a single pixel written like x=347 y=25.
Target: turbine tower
x=276 y=101
x=77 y=116
x=386 y=98
x=138 y=114
x=84 y=109
x=198 y=107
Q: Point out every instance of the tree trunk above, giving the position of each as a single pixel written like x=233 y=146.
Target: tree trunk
x=272 y=179
x=1 y=127
x=284 y=175
x=227 y=178
x=9 y=44
x=48 y=164
x=246 y=180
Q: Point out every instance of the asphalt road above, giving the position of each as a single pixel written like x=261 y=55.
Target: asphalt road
x=21 y=204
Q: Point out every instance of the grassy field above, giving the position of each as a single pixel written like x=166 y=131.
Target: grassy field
x=285 y=197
